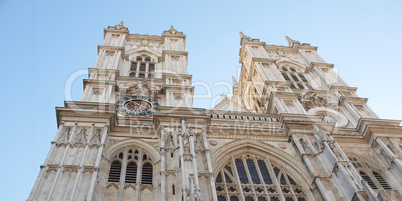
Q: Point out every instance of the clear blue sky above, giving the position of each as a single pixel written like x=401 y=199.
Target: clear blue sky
x=44 y=42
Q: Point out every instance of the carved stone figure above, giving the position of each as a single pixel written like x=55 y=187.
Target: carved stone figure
x=199 y=143
x=169 y=143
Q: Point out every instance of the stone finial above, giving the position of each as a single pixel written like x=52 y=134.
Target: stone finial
x=121 y=23
x=291 y=41
x=234 y=81
x=172 y=30
x=224 y=96
x=242 y=36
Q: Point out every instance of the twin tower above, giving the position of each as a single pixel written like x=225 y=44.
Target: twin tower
x=293 y=130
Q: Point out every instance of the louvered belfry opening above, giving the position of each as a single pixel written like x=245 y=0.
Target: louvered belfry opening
x=381 y=180
x=369 y=173
x=136 y=164
x=147 y=173
x=131 y=172
x=115 y=171
x=367 y=178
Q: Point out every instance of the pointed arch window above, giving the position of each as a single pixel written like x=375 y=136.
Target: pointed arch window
x=138 y=170
x=373 y=177
x=258 y=179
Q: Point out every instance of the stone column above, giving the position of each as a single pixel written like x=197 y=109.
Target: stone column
x=90 y=195
x=60 y=170
x=81 y=165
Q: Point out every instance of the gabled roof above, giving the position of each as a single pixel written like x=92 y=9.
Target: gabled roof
x=229 y=105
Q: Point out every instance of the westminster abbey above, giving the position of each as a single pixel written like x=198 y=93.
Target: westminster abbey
x=292 y=131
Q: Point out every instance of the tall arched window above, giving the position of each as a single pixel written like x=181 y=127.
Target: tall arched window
x=256 y=179
x=143 y=67
x=135 y=165
x=373 y=178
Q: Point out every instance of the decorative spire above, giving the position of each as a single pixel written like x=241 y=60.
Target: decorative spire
x=172 y=30
x=120 y=26
x=291 y=42
x=234 y=81
x=242 y=36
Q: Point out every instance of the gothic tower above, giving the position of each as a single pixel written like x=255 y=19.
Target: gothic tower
x=293 y=130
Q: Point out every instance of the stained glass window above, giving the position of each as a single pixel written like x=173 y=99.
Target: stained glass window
x=234 y=198
x=249 y=175
x=253 y=171
x=249 y=199
x=219 y=178
x=264 y=172
x=241 y=171
x=228 y=180
x=283 y=180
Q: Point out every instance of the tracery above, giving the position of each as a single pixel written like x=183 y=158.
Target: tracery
x=255 y=178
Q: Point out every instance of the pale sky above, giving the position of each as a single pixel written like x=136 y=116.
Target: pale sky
x=44 y=42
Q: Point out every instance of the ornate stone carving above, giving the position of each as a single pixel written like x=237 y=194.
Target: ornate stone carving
x=80 y=139
x=175 y=58
x=96 y=138
x=186 y=143
x=110 y=53
x=88 y=169
x=112 y=184
x=305 y=146
x=146 y=186
x=318 y=146
x=145 y=43
x=328 y=118
x=199 y=142
x=193 y=194
x=126 y=186
x=138 y=88
x=65 y=136
x=311 y=99
x=169 y=142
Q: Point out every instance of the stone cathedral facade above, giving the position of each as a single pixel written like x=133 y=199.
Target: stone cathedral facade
x=292 y=131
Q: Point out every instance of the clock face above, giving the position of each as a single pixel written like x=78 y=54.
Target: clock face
x=137 y=106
